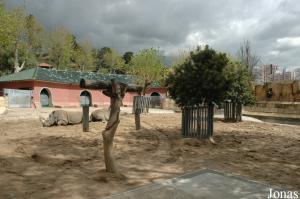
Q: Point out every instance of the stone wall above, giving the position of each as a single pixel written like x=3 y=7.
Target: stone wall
x=275 y=107
x=282 y=91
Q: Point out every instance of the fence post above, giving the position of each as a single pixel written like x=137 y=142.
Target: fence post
x=137 y=110
x=239 y=108
x=210 y=120
x=85 y=118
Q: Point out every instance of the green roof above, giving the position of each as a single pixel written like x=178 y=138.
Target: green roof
x=66 y=77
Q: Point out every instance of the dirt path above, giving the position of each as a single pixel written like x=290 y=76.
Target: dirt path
x=64 y=162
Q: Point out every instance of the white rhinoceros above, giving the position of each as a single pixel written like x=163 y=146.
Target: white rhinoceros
x=99 y=115
x=62 y=117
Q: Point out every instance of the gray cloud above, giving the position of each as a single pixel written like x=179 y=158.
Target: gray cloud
x=271 y=26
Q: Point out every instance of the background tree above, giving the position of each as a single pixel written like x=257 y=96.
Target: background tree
x=248 y=57
x=199 y=79
x=34 y=44
x=14 y=36
x=108 y=60
x=239 y=81
x=60 y=48
x=239 y=90
x=83 y=55
x=147 y=65
x=127 y=57
x=113 y=61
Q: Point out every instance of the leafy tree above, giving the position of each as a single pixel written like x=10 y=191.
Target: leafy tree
x=83 y=55
x=60 y=48
x=35 y=35
x=201 y=78
x=14 y=35
x=147 y=65
x=239 y=81
x=113 y=61
x=127 y=57
x=19 y=40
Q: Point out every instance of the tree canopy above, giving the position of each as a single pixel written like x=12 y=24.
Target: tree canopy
x=201 y=78
x=148 y=66
x=239 y=83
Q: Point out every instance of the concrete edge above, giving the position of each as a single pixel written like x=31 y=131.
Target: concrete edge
x=158 y=184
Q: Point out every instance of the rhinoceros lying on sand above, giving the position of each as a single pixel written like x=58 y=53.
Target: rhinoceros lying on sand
x=99 y=115
x=62 y=117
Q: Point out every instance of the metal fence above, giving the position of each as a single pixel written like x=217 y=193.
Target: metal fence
x=18 y=98
x=143 y=103
x=232 y=111
x=197 y=121
x=156 y=101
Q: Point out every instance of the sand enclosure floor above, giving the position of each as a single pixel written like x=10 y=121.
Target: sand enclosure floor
x=64 y=162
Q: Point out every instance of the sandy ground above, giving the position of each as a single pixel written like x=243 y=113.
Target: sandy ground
x=64 y=162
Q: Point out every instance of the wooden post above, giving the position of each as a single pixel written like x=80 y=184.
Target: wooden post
x=137 y=116
x=85 y=118
x=137 y=109
x=116 y=91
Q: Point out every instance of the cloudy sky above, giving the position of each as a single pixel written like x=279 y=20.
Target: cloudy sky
x=272 y=26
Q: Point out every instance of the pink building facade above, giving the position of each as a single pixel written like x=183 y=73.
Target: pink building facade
x=68 y=95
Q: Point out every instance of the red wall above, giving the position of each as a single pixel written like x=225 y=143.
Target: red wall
x=17 y=85
x=68 y=95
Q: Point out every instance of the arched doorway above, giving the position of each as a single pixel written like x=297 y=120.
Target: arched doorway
x=155 y=100
x=45 y=98
x=155 y=94
x=85 y=99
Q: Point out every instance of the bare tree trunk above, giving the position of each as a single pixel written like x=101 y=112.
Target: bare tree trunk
x=116 y=92
x=108 y=138
x=17 y=68
x=111 y=127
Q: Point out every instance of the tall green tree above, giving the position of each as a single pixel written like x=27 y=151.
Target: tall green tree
x=83 y=55
x=239 y=83
x=99 y=56
x=127 y=57
x=20 y=39
x=201 y=78
x=113 y=61
x=60 y=48
x=147 y=65
x=15 y=35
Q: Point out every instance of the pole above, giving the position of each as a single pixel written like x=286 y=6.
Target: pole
x=85 y=118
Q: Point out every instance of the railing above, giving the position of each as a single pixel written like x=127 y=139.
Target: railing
x=156 y=101
x=232 y=111
x=197 y=121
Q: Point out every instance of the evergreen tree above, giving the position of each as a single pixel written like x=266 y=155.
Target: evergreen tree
x=201 y=78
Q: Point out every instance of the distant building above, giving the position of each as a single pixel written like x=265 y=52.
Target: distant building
x=287 y=75
x=269 y=72
x=278 y=76
x=297 y=73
